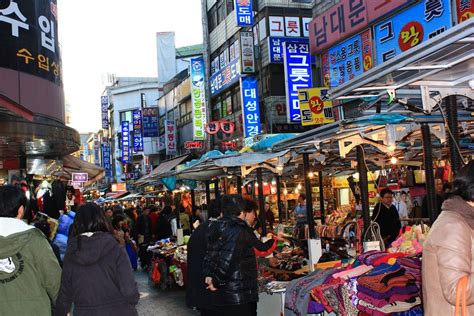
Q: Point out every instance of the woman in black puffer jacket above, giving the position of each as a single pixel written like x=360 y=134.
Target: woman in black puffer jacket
x=230 y=265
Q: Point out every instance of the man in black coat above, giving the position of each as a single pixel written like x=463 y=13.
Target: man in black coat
x=386 y=215
x=196 y=293
x=144 y=237
x=230 y=267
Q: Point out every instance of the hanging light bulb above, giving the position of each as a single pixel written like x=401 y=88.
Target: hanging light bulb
x=229 y=176
x=285 y=191
x=311 y=174
x=394 y=160
x=299 y=187
x=297 y=191
x=256 y=184
x=279 y=167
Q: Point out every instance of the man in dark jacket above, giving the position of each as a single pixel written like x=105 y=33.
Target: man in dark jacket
x=196 y=293
x=230 y=267
x=386 y=215
x=144 y=237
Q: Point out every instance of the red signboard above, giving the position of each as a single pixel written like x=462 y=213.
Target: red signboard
x=216 y=126
x=193 y=145
x=465 y=9
x=346 y=18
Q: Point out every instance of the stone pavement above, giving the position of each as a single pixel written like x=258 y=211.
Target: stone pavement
x=157 y=302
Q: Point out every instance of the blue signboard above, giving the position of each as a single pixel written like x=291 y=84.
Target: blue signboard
x=225 y=77
x=297 y=76
x=150 y=122
x=104 y=103
x=243 y=11
x=347 y=60
x=106 y=160
x=125 y=142
x=250 y=106
x=137 y=131
x=411 y=27
x=275 y=47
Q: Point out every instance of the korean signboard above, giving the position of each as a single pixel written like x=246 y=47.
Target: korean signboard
x=410 y=28
x=79 y=177
x=225 y=77
x=137 y=131
x=247 y=54
x=150 y=122
x=250 y=106
x=198 y=97
x=125 y=142
x=106 y=163
x=243 y=11
x=465 y=10
x=104 y=102
x=193 y=145
x=346 y=18
x=314 y=106
x=226 y=127
x=289 y=26
x=170 y=135
x=347 y=60
x=297 y=76
x=29 y=37
x=275 y=47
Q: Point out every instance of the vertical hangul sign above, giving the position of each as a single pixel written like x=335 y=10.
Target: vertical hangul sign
x=170 y=135
x=198 y=98
x=243 y=11
x=106 y=159
x=150 y=122
x=465 y=10
x=411 y=27
x=137 y=131
x=29 y=37
x=250 y=106
x=125 y=142
x=297 y=61
x=315 y=107
x=247 y=53
x=104 y=102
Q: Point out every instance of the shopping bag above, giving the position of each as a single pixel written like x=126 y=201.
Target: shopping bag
x=155 y=273
x=420 y=176
x=461 y=301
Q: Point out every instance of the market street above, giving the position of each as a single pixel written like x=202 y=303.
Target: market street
x=156 y=302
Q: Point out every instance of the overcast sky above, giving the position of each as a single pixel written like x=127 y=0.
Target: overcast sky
x=116 y=36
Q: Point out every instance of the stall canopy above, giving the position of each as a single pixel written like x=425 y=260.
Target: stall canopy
x=162 y=170
x=72 y=164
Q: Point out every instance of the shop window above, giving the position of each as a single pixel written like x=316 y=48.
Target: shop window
x=212 y=18
x=221 y=12
x=236 y=100
x=126 y=116
x=227 y=105
x=216 y=110
x=230 y=6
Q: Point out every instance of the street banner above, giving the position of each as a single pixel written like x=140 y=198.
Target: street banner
x=250 y=106
x=465 y=10
x=104 y=103
x=243 y=11
x=315 y=107
x=297 y=61
x=150 y=122
x=170 y=135
x=247 y=52
x=198 y=98
x=79 y=177
x=137 y=131
x=125 y=142
x=106 y=163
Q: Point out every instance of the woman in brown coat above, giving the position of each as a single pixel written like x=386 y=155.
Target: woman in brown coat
x=449 y=250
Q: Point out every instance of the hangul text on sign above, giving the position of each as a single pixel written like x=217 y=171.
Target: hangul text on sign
x=43 y=62
x=26 y=55
x=320 y=32
x=5 y=16
x=47 y=27
x=357 y=9
x=252 y=118
x=276 y=26
x=433 y=8
x=337 y=21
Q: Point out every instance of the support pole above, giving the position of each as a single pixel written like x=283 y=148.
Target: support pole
x=208 y=193
x=430 y=181
x=193 y=199
x=364 y=186
x=216 y=189
x=309 y=197
x=321 y=196
x=239 y=185
x=280 y=210
x=261 y=202
x=452 y=117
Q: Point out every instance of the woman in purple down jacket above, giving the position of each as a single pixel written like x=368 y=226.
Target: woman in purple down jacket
x=97 y=276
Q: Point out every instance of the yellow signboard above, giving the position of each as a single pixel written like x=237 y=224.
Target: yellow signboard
x=314 y=106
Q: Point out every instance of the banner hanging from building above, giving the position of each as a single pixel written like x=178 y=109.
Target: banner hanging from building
x=125 y=142
x=247 y=52
x=297 y=62
x=275 y=47
x=347 y=60
x=104 y=102
x=410 y=28
x=315 y=106
x=465 y=10
x=150 y=122
x=137 y=131
x=198 y=97
x=170 y=135
x=243 y=11
x=106 y=163
x=250 y=106
x=225 y=77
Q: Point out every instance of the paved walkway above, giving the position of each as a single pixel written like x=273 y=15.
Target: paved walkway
x=157 y=302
